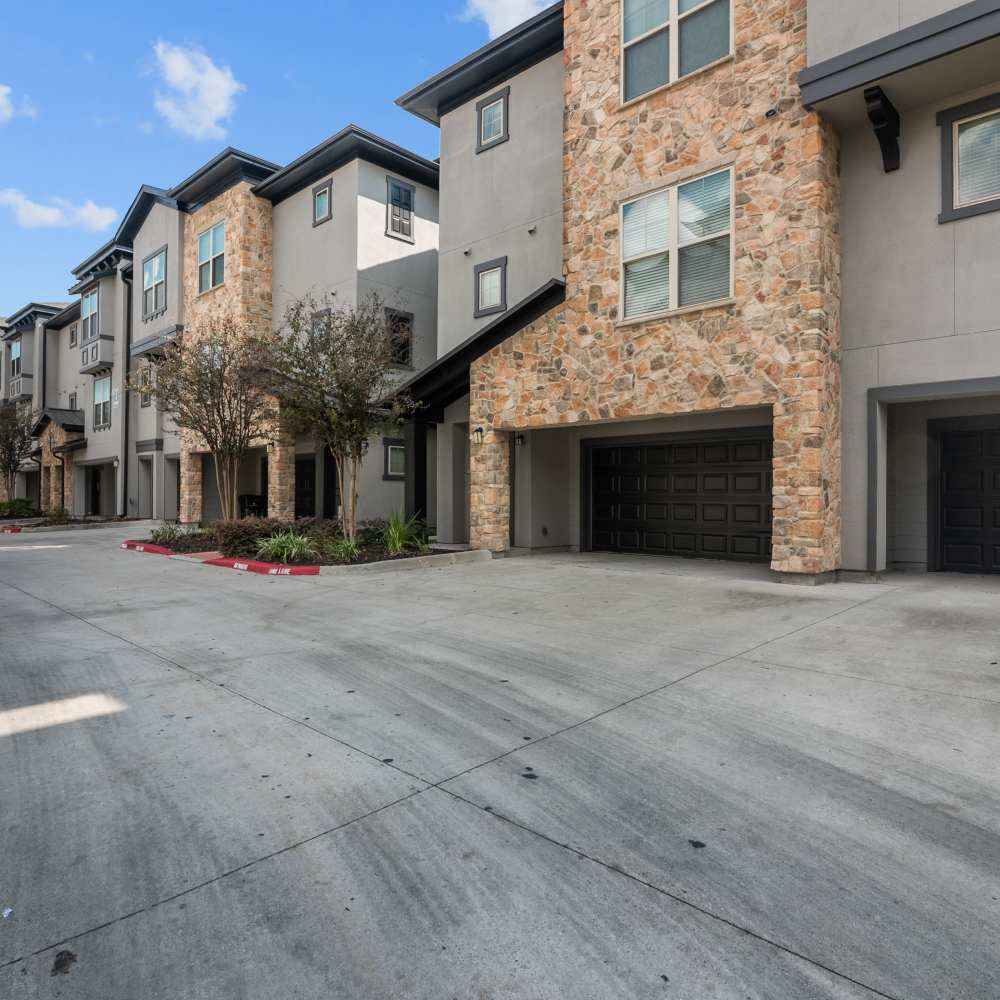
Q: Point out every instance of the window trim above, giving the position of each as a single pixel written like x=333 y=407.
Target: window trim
x=674 y=246
x=211 y=260
x=387 y=445
x=73 y=335
x=146 y=316
x=95 y=316
x=72 y=402
x=145 y=381
x=949 y=120
x=402 y=314
x=500 y=95
x=672 y=24
x=326 y=186
x=106 y=402
x=405 y=185
x=17 y=342
x=490 y=265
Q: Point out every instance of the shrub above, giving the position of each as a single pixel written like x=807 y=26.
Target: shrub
x=343 y=550
x=166 y=533
x=239 y=539
x=19 y=507
x=286 y=547
x=401 y=534
x=370 y=532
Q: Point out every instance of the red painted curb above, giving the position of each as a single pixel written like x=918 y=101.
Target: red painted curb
x=10 y=531
x=156 y=550
x=264 y=569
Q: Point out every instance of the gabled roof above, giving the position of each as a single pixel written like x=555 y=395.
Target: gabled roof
x=147 y=197
x=70 y=420
x=26 y=317
x=350 y=143
x=447 y=380
x=525 y=45
x=102 y=263
x=220 y=173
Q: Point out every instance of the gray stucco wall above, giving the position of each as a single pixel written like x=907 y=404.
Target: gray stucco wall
x=162 y=227
x=836 y=26
x=490 y=200
x=921 y=302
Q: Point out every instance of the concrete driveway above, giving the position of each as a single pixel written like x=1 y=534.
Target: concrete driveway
x=552 y=777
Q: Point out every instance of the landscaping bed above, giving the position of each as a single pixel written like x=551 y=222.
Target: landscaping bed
x=301 y=543
x=17 y=510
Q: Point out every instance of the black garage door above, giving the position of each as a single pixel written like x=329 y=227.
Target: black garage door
x=970 y=500
x=708 y=496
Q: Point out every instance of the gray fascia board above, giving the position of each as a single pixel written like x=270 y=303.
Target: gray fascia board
x=135 y=216
x=220 y=173
x=499 y=60
x=14 y=323
x=109 y=249
x=902 y=50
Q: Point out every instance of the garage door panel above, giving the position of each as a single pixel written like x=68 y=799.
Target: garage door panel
x=715 y=482
x=685 y=511
x=715 y=545
x=715 y=513
x=685 y=454
x=715 y=454
x=687 y=483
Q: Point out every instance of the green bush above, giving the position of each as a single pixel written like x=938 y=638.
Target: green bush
x=166 y=533
x=239 y=539
x=370 y=532
x=286 y=547
x=343 y=550
x=401 y=534
x=19 y=507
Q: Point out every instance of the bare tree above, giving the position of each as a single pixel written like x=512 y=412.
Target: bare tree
x=15 y=441
x=210 y=380
x=335 y=370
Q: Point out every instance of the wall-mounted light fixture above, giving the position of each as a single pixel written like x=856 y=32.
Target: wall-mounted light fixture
x=478 y=435
x=533 y=230
x=468 y=253
x=116 y=463
x=519 y=440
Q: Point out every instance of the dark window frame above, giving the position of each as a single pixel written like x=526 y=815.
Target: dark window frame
x=146 y=316
x=72 y=401
x=499 y=95
x=73 y=335
x=92 y=331
x=491 y=265
x=326 y=186
x=145 y=380
x=403 y=186
x=317 y=316
x=388 y=443
x=105 y=418
x=19 y=360
x=212 y=258
x=947 y=120
x=402 y=314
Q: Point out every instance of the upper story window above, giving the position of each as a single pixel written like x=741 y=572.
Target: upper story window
x=154 y=284
x=665 y=40
x=15 y=359
x=323 y=202
x=72 y=400
x=491 y=287
x=492 y=115
x=399 y=209
x=102 y=401
x=145 y=383
x=212 y=257
x=970 y=136
x=73 y=336
x=401 y=333
x=677 y=247
x=89 y=326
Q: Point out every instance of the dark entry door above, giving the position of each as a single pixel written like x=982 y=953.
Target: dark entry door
x=969 y=525
x=705 y=496
x=95 y=489
x=305 y=486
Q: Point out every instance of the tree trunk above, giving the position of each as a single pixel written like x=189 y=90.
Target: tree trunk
x=345 y=497
x=226 y=480
x=355 y=476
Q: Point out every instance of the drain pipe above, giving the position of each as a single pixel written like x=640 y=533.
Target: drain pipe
x=126 y=392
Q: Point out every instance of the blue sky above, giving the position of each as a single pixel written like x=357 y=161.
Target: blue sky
x=95 y=102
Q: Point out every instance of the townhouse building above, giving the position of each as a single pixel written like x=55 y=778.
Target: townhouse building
x=768 y=330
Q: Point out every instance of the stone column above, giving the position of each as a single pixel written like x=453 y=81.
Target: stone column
x=55 y=483
x=44 y=488
x=281 y=479
x=490 y=501
x=67 y=494
x=191 y=487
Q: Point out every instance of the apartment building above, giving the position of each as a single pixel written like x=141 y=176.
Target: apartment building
x=768 y=332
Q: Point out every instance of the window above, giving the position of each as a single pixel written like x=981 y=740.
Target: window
x=320 y=321
x=154 y=284
x=395 y=458
x=399 y=209
x=88 y=315
x=212 y=258
x=145 y=381
x=15 y=359
x=401 y=333
x=664 y=40
x=72 y=400
x=72 y=336
x=677 y=247
x=102 y=401
x=323 y=202
x=491 y=120
x=491 y=287
x=970 y=138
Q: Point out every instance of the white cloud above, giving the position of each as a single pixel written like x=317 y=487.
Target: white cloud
x=8 y=109
x=200 y=96
x=502 y=15
x=58 y=214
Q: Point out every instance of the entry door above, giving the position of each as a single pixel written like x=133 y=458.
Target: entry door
x=969 y=524
x=305 y=486
x=709 y=496
x=95 y=489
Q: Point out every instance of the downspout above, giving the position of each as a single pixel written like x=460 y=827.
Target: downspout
x=62 y=486
x=126 y=393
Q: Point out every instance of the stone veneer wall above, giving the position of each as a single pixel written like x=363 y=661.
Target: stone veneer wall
x=54 y=496
x=778 y=343
x=244 y=295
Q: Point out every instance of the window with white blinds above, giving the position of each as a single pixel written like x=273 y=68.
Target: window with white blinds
x=977 y=159
x=677 y=246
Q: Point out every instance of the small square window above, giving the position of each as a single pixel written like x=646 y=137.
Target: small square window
x=72 y=400
x=323 y=203
x=970 y=167
x=491 y=287
x=399 y=209
x=492 y=115
x=395 y=458
x=401 y=333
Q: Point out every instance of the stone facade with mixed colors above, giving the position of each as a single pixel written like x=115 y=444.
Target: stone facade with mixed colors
x=776 y=343
x=56 y=478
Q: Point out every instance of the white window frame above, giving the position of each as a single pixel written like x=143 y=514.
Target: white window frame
x=325 y=188
x=672 y=24
x=212 y=257
x=104 y=419
x=485 y=140
x=90 y=326
x=674 y=245
x=956 y=165
x=156 y=310
x=391 y=445
x=15 y=359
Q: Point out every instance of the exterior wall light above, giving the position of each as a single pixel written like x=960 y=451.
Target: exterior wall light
x=519 y=440
x=478 y=435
